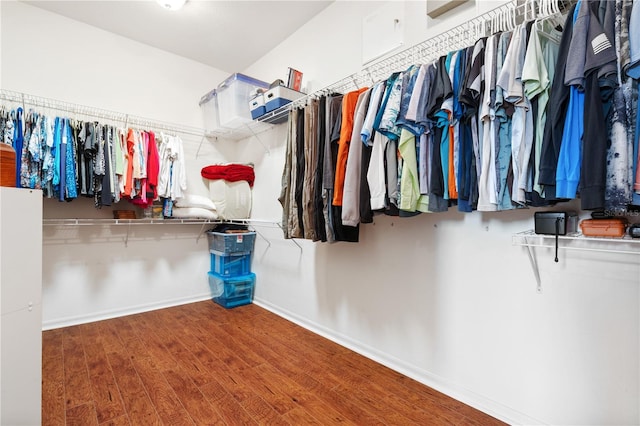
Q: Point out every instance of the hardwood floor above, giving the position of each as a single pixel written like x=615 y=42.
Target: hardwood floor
x=200 y=364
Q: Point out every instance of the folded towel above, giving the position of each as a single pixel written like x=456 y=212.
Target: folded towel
x=194 y=200
x=193 y=213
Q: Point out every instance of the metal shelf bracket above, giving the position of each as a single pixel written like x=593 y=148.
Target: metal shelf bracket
x=530 y=240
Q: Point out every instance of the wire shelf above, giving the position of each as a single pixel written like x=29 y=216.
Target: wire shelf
x=501 y=18
x=153 y=221
x=26 y=99
x=577 y=241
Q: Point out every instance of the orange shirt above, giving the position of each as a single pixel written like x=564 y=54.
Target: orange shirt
x=128 y=183
x=349 y=102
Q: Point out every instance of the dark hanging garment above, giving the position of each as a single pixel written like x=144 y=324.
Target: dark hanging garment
x=366 y=214
x=318 y=214
x=556 y=113
x=332 y=134
x=105 y=196
x=88 y=153
x=439 y=91
x=62 y=153
x=18 y=143
x=300 y=170
x=600 y=61
x=391 y=178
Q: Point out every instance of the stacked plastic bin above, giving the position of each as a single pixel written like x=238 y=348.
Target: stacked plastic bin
x=230 y=278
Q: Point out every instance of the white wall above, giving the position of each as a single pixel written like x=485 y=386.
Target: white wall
x=93 y=272
x=446 y=298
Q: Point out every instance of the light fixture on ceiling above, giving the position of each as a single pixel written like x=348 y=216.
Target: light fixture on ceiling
x=171 y=4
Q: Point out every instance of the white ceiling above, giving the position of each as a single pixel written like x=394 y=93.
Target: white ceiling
x=228 y=35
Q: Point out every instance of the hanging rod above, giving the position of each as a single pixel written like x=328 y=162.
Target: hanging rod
x=75 y=109
x=497 y=19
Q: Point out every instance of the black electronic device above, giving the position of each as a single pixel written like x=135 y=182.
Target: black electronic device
x=552 y=223
x=555 y=223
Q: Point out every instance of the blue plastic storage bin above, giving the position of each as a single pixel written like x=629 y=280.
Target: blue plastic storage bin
x=230 y=265
x=232 y=291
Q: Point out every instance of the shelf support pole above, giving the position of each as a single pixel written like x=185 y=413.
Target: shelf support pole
x=126 y=238
x=264 y=238
x=200 y=145
x=255 y=135
x=534 y=266
x=201 y=231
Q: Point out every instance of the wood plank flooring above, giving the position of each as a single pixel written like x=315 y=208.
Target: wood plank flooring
x=200 y=364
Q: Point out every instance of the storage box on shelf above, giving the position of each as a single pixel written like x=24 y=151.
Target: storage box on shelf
x=226 y=108
x=279 y=96
x=611 y=227
x=233 y=291
x=257 y=107
x=209 y=107
x=232 y=242
x=274 y=99
x=233 y=97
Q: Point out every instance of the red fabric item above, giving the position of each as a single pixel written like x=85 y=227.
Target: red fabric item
x=230 y=172
x=153 y=167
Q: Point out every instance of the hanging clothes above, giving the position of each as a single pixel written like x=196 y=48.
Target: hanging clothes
x=501 y=124
x=487 y=199
x=377 y=174
x=503 y=130
x=601 y=79
x=318 y=204
x=172 y=180
x=537 y=75
x=351 y=193
x=310 y=160
x=619 y=178
x=287 y=176
x=18 y=142
x=332 y=134
x=570 y=156
x=349 y=105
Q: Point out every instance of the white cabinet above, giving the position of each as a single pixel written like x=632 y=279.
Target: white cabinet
x=20 y=306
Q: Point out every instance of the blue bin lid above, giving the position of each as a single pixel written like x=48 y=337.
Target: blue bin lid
x=244 y=79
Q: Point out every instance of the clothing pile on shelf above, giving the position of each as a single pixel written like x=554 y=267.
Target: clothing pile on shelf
x=230 y=189
x=543 y=113
x=69 y=158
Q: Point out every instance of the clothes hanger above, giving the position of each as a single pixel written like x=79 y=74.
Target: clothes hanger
x=505 y=19
x=545 y=7
x=546 y=27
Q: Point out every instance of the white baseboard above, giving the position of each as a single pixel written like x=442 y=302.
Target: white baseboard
x=441 y=384
x=128 y=310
